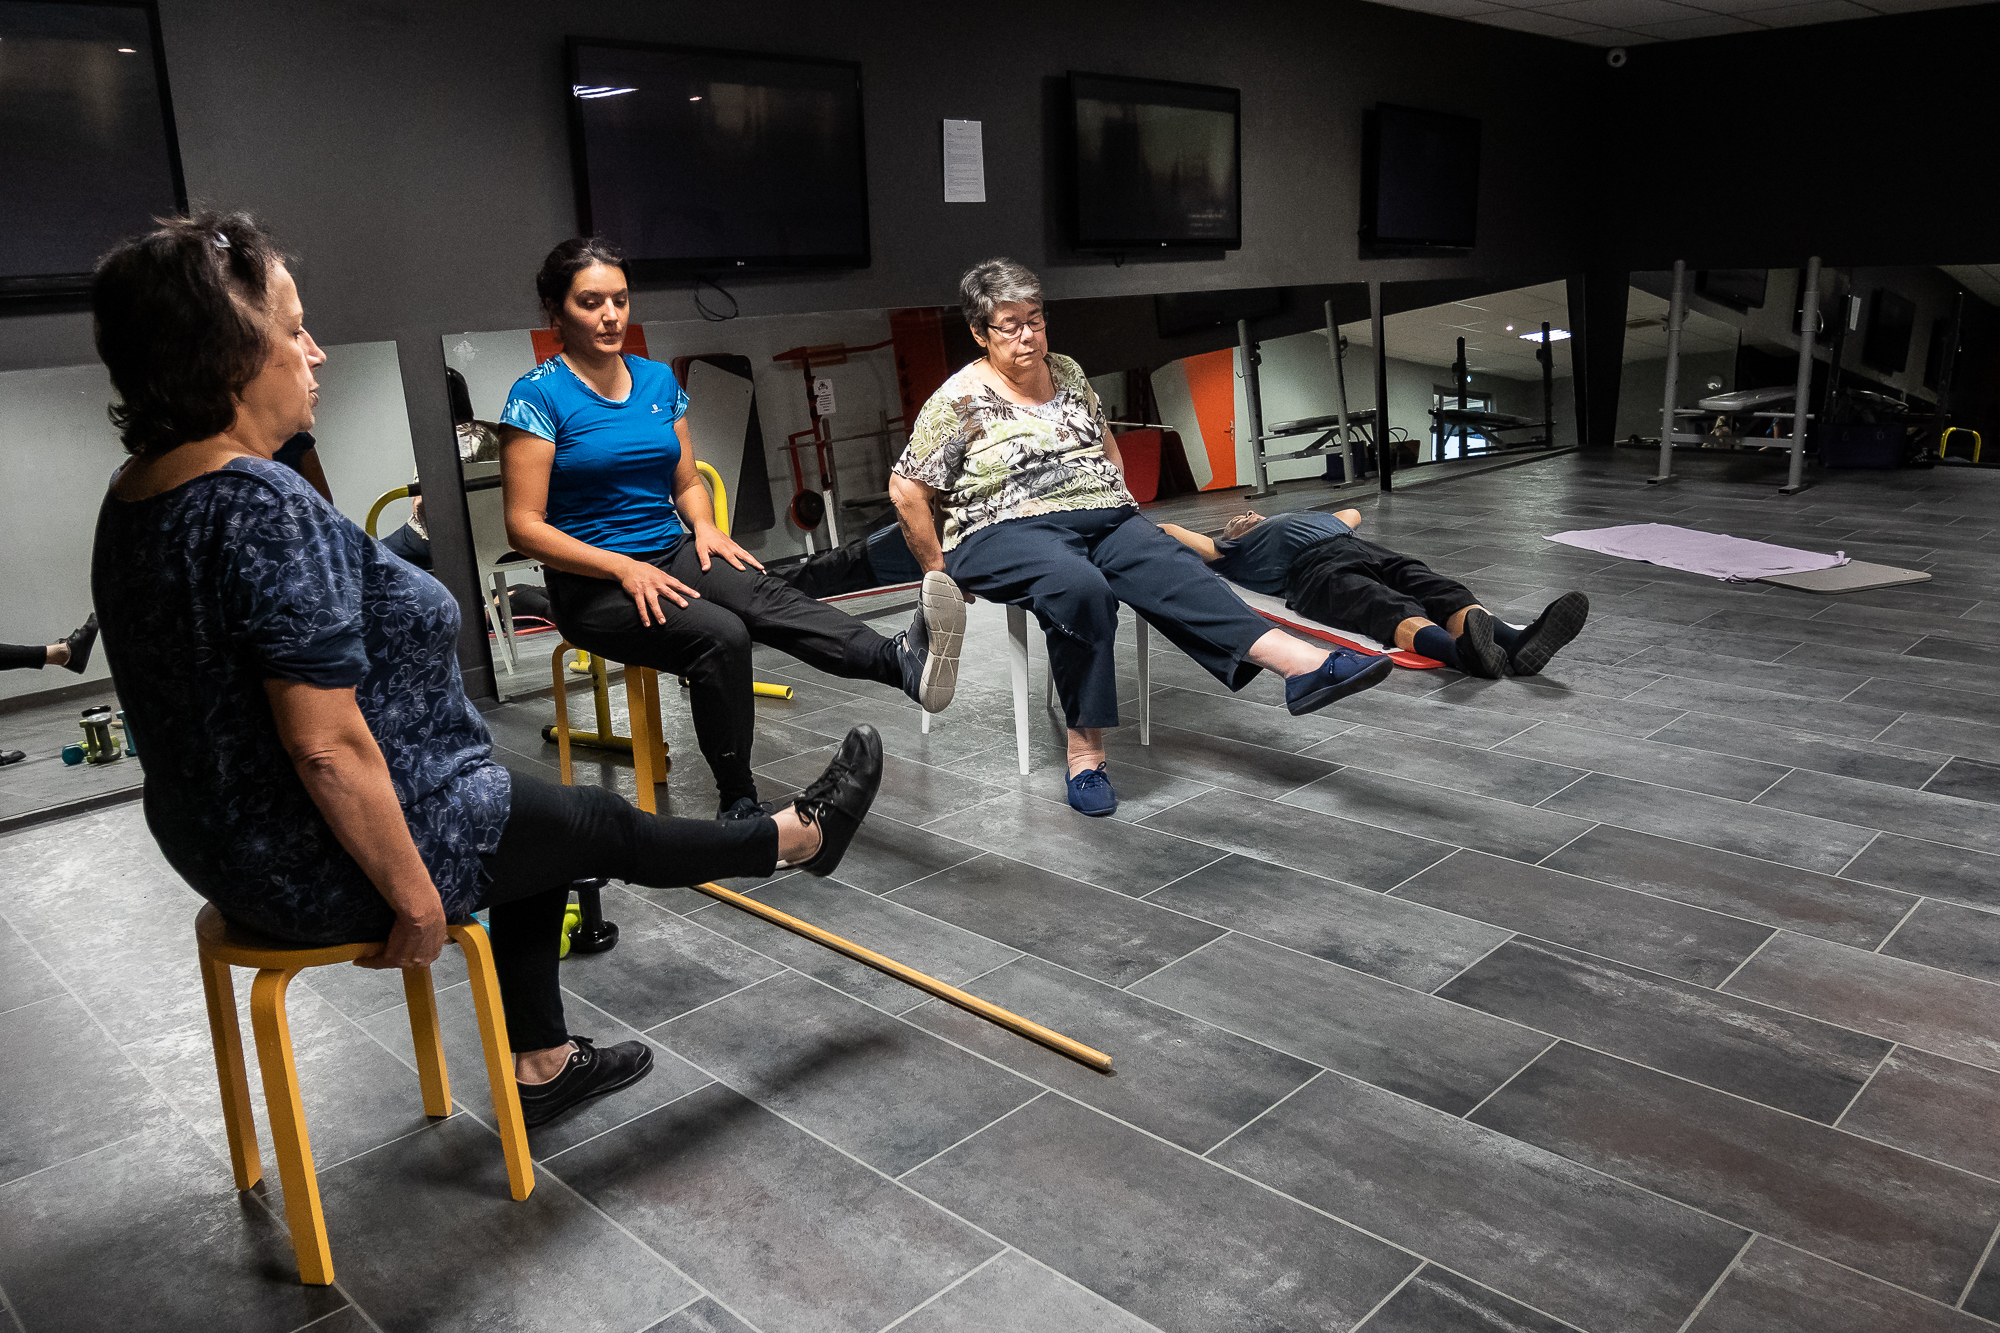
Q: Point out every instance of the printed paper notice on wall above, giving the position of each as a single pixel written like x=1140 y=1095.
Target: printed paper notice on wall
x=823 y=401
x=964 y=163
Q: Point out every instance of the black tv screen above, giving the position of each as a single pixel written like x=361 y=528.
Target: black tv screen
x=87 y=151
x=1891 y=320
x=693 y=160
x=1419 y=178
x=1157 y=164
x=1737 y=288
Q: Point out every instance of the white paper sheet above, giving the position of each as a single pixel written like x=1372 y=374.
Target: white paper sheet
x=964 y=163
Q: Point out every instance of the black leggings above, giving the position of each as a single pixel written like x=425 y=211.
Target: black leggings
x=708 y=641
x=23 y=656
x=557 y=834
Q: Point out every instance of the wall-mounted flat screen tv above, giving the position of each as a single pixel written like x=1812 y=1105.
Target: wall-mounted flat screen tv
x=1892 y=318
x=1737 y=288
x=1157 y=164
x=1419 y=178
x=698 y=161
x=87 y=150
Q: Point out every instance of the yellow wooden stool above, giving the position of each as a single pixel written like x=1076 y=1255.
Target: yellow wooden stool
x=223 y=946
x=642 y=705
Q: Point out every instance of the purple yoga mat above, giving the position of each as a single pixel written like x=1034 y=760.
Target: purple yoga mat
x=1715 y=554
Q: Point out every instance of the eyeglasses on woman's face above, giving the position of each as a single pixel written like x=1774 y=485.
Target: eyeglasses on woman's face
x=1035 y=323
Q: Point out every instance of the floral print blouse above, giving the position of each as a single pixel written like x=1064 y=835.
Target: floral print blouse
x=990 y=460
x=243 y=575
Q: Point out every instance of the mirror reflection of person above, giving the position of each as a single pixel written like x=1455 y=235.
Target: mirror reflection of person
x=313 y=767
x=1326 y=573
x=601 y=488
x=1015 y=449
x=71 y=651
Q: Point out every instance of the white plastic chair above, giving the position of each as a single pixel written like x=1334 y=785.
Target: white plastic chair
x=1017 y=662
x=487 y=510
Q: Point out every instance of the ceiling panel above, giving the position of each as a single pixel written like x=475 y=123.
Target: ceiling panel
x=1638 y=22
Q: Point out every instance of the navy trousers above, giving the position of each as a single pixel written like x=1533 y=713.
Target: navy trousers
x=1073 y=569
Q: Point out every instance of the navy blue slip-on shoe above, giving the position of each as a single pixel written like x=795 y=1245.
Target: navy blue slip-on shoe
x=1559 y=622
x=1343 y=673
x=1090 y=793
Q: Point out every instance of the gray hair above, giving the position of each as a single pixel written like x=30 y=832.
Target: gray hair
x=994 y=283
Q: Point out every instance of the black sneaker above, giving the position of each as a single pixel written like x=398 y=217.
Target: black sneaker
x=838 y=799
x=743 y=807
x=590 y=1073
x=12 y=757
x=929 y=649
x=81 y=640
x=1559 y=622
x=1478 y=655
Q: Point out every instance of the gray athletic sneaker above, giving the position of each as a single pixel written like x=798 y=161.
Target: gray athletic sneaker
x=930 y=648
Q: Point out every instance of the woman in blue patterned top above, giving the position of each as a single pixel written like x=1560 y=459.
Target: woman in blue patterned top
x=313 y=766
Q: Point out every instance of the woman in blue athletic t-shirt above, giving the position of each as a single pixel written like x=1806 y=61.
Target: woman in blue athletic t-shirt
x=601 y=488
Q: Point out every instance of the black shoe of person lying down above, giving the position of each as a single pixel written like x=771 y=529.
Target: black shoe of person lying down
x=837 y=800
x=1478 y=654
x=1559 y=622
x=81 y=640
x=590 y=1074
x=743 y=807
x=12 y=757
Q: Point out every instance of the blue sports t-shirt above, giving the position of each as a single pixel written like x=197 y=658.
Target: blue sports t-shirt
x=612 y=485
x=1261 y=559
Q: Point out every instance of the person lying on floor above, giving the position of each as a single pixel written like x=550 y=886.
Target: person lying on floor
x=72 y=652
x=313 y=766
x=1326 y=573
x=598 y=465
x=1016 y=450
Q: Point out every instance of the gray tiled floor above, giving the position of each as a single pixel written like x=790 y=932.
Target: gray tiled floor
x=1659 y=992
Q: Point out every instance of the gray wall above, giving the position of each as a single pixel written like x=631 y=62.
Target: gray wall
x=416 y=156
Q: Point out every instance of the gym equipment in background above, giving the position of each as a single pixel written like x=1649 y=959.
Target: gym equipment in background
x=1341 y=429
x=1486 y=425
x=809 y=507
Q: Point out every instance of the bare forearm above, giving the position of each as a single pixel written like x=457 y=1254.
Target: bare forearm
x=349 y=782
x=913 y=515
x=1194 y=541
x=697 y=510
x=551 y=546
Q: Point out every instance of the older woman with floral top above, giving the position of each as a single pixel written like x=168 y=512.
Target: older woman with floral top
x=1015 y=450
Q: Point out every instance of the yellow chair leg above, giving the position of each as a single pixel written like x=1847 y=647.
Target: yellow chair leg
x=658 y=724
x=499 y=1057
x=289 y=1139
x=421 y=997
x=227 y=1036
x=562 y=718
x=640 y=687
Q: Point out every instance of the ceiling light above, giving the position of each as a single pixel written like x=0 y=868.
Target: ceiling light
x=695 y=98
x=127 y=51
x=590 y=92
x=1555 y=336
x=1510 y=328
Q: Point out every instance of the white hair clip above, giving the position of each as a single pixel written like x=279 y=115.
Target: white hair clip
x=221 y=241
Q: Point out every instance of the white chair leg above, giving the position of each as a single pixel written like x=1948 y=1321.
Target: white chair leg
x=927 y=722
x=505 y=649
x=1017 y=662
x=505 y=601
x=1145 y=689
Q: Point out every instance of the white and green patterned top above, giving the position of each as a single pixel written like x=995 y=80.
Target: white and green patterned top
x=990 y=460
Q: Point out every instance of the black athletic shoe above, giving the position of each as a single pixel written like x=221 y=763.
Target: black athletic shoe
x=590 y=1074
x=838 y=799
x=743 y=807
x=81 y=640
x=1559 y=622
x=1478 y=655
x=12 y=757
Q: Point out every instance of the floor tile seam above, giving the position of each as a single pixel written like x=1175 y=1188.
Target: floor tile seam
x=1855 y=1100
x=1978 y=1266
x=1721 y=1278
x=784 y=969
x=1937 y=801
x=1943 y=972
x=1595 y=825
x=1511 y=935
x=1493 y=749
x=1061 y=806
x=1148 y=894
x=1847 y=1134
x=1127 y=987
x=963 y=1138
x=1433 y=839
x=1393 y=1292
x=939 y=1294
x=1898 y=714
x=1772 y=785
x=1467 y=1114
x=542 y=1170
x=68 y=1161
x=1904 y=921
x=638 y=1115
x=1222 y=854
x=1775 y=809
x=334 y=1314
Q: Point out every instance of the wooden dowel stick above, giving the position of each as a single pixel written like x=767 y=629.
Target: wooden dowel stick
x=972 y=1004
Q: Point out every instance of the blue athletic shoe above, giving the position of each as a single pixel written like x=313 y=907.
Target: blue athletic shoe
x=1343 y=673
x=1090 y=793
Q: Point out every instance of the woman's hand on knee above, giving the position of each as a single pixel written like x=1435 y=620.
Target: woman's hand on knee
x=711 y=542
x=414 y=941
x=645 y=584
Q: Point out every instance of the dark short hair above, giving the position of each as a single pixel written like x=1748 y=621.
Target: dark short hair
x=179 y=326
x=991 y=284
x=567 y=260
